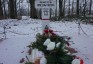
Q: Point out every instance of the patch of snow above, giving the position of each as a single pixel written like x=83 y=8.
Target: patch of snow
x=23 y=32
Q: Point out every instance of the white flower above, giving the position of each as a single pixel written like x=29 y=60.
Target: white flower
x=76 y=61
x=57 y=45
x=47 y=42
x=51 y=46
x=68 y=53
x=65 y=50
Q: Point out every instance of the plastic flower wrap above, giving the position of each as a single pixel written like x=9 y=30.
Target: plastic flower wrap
x=51 y=46
x=47 y=42
x=43 y=60
x=36 y=54
x=33 y=55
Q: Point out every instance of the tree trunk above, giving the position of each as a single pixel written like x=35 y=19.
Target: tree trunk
x=72 y=7
x=19 y=12
x=77 y=8
x=60 y=8
x=15 y=9
x=56 y=11
x=69 y=9
x=12 y=9
x=33 y=13
x=1 y=11
x=28 y=9
x=90 y=7
x=8 y=10
x=64 y=8
x=81 y=10
x=85 y=8
x=5 y=15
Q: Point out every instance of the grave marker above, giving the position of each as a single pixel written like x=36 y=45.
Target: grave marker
x=45 y=5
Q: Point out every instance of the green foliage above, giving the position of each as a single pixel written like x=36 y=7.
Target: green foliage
x=28 y=63
x=67 y=59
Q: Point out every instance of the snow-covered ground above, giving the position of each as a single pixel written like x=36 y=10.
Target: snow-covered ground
x=22 y=32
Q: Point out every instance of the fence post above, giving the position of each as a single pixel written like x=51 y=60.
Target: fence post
x=4 y=31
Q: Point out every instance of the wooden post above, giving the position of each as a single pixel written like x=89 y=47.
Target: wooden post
x=79 y=27
x=4 y=31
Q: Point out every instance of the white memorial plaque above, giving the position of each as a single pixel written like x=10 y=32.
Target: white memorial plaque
x=45 y=4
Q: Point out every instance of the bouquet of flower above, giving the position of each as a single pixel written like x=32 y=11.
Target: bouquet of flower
x=53 y=48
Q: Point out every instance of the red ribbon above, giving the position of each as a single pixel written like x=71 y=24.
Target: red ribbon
x=81 y=60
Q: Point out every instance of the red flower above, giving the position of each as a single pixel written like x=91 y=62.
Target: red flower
x=53 y=34
x=46 y=31
x=51 y=31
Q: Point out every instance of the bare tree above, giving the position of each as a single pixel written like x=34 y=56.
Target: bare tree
x=90 y=7
x=60 y=8
x=69 y=8
x=28 y=8
x=33 y=13
x=72 y=7
x=4 y=9
x=1 y=11
x=84 y=10
x=56 y=10
x=77 y=8
x=19 y=12
x=15 y=8
x=11 y=9
x=64 y=7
